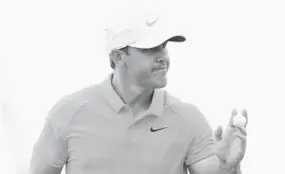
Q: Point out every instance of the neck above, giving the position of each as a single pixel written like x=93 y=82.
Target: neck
x=131 y=94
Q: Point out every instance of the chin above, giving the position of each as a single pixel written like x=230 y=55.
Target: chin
x=160 y=83
x=160 y=86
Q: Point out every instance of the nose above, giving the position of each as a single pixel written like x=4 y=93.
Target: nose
x=162 y=59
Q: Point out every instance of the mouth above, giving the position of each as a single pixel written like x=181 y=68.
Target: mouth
x=161 y=69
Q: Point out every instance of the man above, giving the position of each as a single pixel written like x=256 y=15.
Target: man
x=128 y=124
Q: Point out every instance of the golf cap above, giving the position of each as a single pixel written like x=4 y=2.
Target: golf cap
x=140 y=29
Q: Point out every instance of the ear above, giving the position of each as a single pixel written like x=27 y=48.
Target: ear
x=116 y=56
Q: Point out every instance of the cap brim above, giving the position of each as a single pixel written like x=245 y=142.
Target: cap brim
x=156 y=40
x=178 y=38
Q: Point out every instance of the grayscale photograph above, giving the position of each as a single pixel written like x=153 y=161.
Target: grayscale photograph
x=142 y=87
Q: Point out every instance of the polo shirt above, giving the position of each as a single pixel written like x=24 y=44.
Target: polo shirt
x=94 y=131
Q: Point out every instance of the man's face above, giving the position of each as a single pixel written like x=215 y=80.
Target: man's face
x=147 y=67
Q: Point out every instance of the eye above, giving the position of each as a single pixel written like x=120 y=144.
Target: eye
x=164 y=44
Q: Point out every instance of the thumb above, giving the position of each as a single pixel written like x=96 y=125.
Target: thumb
x=218 y=133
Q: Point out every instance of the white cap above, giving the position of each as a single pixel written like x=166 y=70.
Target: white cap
x=140 y=29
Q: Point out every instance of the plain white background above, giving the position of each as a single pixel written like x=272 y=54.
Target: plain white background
x=234 y=57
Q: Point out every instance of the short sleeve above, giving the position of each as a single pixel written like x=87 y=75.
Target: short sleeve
x=50 y=150
x=51 y=147
x=202 y=141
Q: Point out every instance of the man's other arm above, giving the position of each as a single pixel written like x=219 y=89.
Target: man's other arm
x=50 y=152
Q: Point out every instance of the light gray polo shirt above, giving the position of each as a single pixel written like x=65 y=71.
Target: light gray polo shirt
x=92 y=131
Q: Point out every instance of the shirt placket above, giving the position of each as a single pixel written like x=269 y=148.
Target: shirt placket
x=129 y=124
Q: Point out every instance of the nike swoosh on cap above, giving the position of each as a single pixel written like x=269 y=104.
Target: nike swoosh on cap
x=149 y=24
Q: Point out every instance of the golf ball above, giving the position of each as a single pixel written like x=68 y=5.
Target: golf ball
x=239 y=119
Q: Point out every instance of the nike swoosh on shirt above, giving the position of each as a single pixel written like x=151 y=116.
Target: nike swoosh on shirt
x=155 y=130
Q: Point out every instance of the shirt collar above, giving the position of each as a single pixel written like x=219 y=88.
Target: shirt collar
x=156 y=106
x=157 y=103
x=111 y=95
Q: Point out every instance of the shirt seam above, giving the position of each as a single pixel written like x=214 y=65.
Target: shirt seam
x=201 y=158
x=76 y=112
x=183 y=119
x=192 y=142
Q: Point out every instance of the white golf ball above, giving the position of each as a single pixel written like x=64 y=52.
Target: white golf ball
x=239 y=119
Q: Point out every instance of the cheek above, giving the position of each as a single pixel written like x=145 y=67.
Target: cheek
x=141 y=71
x=140 y=66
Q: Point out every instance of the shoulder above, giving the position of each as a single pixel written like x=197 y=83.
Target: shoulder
x=184 y=109
x=64 y=110
x=195 y=121
x=189 y=112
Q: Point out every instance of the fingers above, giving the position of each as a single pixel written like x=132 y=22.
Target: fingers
x=241 y=134
x=234 y=113
x=245 y=114
x=218 y=133
x=241 y=129
x=242 y=140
